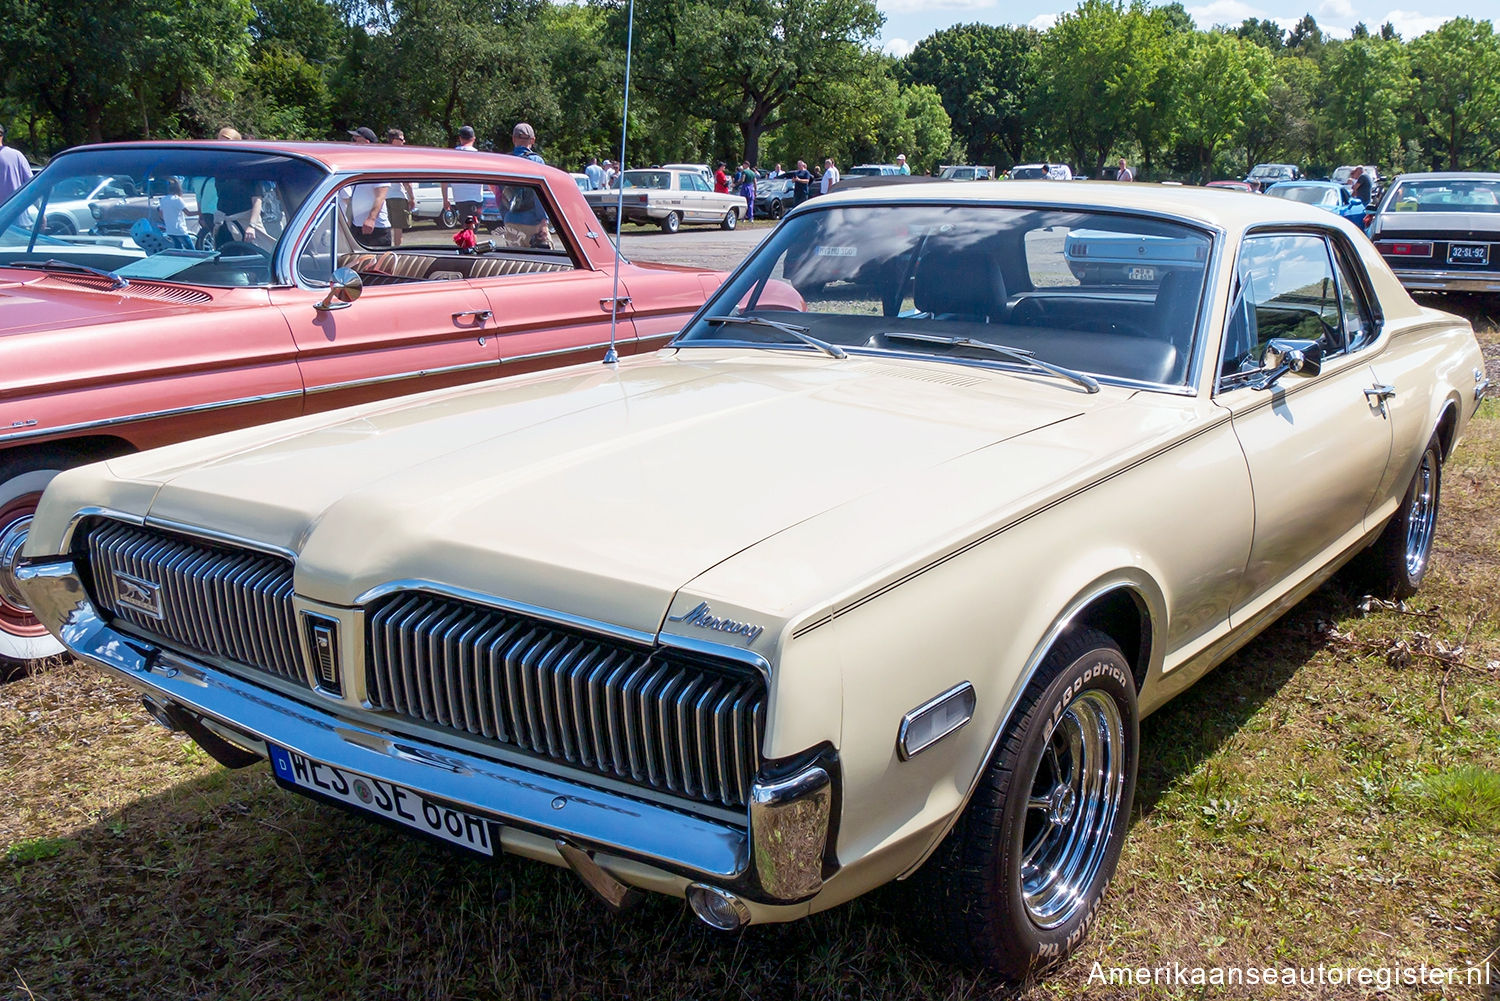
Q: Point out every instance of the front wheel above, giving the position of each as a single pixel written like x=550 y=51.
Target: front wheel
x=777 y=209
x=59 y=225
x=1397 y=561
x=1016 y=885
x=24 y=641
x=672 y=223
x=448 y=218
x=731 y=220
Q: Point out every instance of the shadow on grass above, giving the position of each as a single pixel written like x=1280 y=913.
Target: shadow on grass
x=227 y=887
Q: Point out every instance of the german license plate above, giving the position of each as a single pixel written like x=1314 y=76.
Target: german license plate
x=1469 y=253
x=385 y=799
x=1142 y=274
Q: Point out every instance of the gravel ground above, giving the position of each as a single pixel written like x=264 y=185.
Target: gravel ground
x=703 y=246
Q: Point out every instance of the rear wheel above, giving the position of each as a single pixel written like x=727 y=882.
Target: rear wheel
x=60 y=225
x=777 y=208
x=1397 y=561
x=672 y=223
x=731 y=219
x=1016 y=885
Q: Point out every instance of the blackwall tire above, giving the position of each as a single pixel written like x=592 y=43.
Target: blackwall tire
x=672 y=223
x=1017 y=884
x=1396 y=562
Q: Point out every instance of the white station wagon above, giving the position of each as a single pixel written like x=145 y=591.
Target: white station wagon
x=871 y=574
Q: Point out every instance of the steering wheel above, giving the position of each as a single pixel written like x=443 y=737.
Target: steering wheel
x=241 y=248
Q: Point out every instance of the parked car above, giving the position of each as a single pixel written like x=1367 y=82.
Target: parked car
x=701 y=168
x=774 y=197
x=1341 y=175
x=668 y=197
x=584 y=182
x=1231 y=185
x=1263 y=175
x=1440 y=232
x=858 y=580
x=960 y=172
x=1113 y=257
x=873 y=170
x=1041 y=172
x=108 y=346
x=1328 y=195
x=73 y=205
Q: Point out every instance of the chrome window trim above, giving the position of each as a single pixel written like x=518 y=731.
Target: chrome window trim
x=618 y=632
x=105 y=422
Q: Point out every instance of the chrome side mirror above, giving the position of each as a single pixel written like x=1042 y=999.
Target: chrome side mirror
x=345 y=286
x=1285 y=355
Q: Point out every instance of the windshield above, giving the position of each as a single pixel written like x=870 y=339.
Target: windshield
x=1268 y=170
x=200 y=215
x=1450 y=195
x=1306 y=194
x=1112 y=295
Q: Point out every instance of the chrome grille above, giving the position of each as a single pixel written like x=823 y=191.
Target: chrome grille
x=679 y=726
x=232 y=604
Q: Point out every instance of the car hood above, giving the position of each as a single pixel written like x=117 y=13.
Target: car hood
x=588 y=488
x=30 y=301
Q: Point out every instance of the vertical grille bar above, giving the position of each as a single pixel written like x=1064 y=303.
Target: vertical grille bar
x=678 y=726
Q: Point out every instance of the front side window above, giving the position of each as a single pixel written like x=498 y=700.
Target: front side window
x=195 y=215
x=1112 y=295
x=1285 y=288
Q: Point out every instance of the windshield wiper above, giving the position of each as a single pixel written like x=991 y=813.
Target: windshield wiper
x=52 y=264
x=790 y=329
x=1013 y=354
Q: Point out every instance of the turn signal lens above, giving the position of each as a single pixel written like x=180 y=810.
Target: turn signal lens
x=1406 y=249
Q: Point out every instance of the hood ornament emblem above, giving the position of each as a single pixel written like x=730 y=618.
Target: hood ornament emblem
x=704 y=618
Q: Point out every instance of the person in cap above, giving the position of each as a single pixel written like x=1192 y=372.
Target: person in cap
x=901 y=162
x=398 y=204
x=14 y=170
x=362 y=135
x=526 y=222
x=365 y=203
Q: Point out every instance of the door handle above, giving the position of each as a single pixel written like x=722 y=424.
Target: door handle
x=1379 y=394
x=478 y=315
x=623 y=302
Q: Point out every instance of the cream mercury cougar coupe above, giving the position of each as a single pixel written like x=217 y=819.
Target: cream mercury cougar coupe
x=870 y=574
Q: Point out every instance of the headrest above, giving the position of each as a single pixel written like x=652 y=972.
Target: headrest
x=963 y=281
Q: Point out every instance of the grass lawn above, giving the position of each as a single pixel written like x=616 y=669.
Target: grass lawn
x=1331 y=795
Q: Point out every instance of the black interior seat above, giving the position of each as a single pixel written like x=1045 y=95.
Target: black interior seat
x=955 y=283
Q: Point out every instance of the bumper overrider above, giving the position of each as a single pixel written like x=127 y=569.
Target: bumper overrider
x=732 y=875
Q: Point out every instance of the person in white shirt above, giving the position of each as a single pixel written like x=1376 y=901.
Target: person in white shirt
x=467 y=199
x=830 y=177
x=174 y=216
x=1125 y=174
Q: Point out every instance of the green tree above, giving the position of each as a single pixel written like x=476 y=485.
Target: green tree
x=1456 y=73
x=1265 y=32
x=1096 y=67
x=982 y=73
x=1282 y=129
x=310 y=28
x=1223 y=81
x=742 y=61
x=1368 y=83
x=1305 y=36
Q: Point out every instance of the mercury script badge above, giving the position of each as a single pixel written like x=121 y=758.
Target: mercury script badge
x=141 y=595
x=704 y=618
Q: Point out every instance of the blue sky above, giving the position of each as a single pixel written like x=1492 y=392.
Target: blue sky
x=909 y=21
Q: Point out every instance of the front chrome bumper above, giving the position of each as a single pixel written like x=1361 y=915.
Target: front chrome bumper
x=782 y=858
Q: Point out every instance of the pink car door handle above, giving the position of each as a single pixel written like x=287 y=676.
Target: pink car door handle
x=479 y=316
x=608 y=303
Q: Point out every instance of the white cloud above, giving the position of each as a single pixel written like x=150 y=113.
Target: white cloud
x=898 y=47
x=1042 y=21
x=1340 y=10
x=1410 y=23
x=922 y=6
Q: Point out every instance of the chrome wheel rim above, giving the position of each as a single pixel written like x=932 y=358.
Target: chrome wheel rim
x=1421 y=517
x=1073 y=801
x=15 y=523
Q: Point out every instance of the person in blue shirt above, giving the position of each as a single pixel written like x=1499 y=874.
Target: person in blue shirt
x=526 y=223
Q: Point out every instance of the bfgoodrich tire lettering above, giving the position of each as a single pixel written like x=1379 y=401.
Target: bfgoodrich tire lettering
x=1018 y=882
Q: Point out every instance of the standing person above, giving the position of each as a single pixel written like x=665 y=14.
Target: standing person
x=366 y=202
x=721 y=179
x=173 y=211
x=901 y=162
x=465 y=199
x=362 y=135
x=525 y=216
x=777 y=172
x=398 y=204
x=745 y=179
x=1125 y=173
x=595 y=172
x=1361 y=185
x=830 y=177
x=14 y=170
x=801 y=183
